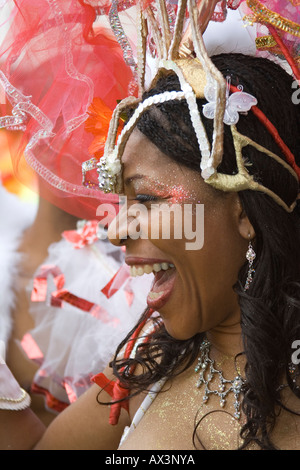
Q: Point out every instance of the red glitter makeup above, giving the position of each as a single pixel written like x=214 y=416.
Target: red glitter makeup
x=173 y=194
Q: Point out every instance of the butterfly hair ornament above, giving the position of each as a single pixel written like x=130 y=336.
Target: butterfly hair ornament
x=199 y=78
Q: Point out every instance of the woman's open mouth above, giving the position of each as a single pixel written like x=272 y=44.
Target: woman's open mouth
x=163 y=284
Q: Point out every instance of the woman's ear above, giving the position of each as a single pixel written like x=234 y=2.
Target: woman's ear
x=245 y=227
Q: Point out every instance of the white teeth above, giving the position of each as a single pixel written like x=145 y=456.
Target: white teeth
x=148 y=268
x=140 y=271
x=133 y=271
x=154 y=295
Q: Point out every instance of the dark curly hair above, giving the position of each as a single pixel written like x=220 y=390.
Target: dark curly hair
x=270 y=309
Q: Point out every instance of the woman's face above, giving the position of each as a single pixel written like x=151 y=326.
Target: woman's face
x=195 y=250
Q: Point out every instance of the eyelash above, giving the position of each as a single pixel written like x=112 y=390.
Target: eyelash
x=143 y=198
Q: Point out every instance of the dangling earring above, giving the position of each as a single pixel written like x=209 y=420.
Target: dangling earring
x=250 y=256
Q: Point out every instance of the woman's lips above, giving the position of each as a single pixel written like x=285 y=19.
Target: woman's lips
x=164 y=278
x=136 y=261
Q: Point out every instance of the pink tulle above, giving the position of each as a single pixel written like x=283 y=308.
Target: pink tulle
x=54 y=59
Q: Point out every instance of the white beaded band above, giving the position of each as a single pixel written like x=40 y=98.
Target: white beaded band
x=109 y=166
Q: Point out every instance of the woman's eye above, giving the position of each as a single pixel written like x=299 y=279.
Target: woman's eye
x=143 y=198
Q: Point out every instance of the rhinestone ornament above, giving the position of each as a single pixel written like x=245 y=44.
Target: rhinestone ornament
x=207 y=372
x=250 y=256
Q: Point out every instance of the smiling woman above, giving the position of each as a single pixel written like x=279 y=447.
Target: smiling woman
x=192 y=275
x=203 y=294
x=209 y=363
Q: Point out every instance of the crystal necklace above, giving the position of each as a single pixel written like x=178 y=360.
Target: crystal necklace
x=207 y=372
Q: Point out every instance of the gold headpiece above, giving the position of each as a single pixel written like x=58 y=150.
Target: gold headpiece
x=199 y=78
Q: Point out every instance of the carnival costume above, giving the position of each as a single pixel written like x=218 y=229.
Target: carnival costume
x=172 y=34
x=54 y=60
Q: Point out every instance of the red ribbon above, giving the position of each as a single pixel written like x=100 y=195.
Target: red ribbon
x=40 y=282
x=31 y=348
x=117 y=392
x=274 y=133
x=86 y=236
x=285 y=52
x=39 y=294
x=114 y=387
x=117 y=281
